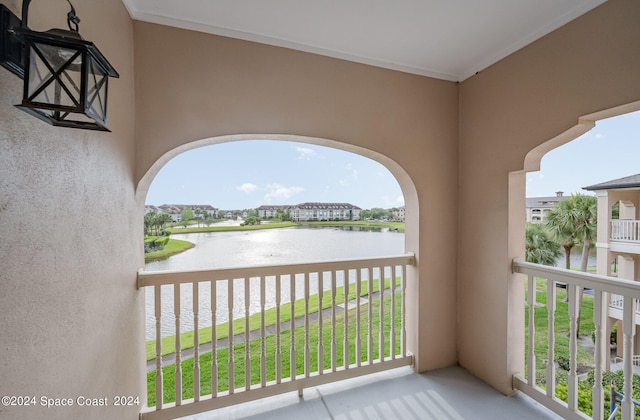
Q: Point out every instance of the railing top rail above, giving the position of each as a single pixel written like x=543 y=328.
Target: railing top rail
x=592 y=281
x=153 y=278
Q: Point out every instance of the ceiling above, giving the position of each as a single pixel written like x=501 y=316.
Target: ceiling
x=445 y=39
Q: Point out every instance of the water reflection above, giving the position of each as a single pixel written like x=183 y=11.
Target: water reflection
x=263 y=247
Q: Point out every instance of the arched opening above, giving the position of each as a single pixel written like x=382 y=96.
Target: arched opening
x=404 y=181
x=592 y=346
x=366 y=281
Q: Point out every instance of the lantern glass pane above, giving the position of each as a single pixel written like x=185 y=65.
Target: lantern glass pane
x=97 y=91
x=54 y=75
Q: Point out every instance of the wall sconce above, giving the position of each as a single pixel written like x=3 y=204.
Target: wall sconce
x=65 y=77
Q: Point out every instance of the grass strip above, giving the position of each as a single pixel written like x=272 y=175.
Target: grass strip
x=173 y=247
x=177 y=231
x=222 y=330
x=397 y=226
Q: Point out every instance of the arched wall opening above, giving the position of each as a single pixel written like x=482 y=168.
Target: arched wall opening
x=406 y=184
x=532 y=163
x=412 y=231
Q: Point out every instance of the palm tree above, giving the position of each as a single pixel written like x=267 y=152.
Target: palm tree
x=574 y=221
x=540 y=248
x=561 y=229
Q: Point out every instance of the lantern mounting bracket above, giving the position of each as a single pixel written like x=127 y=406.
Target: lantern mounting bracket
x=11 y=49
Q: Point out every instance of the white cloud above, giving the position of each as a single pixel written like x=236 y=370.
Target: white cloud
x=304 y=153
x=344 y=183
x=354 y=172
x=279 y=192
x=400 y=200
x=247 y=188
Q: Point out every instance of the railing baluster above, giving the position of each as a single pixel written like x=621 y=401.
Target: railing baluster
x=196 y=342
x=531 y=357
x=572 y=294
x=551 y=338
x=263 y=335
x=159 y=379
x=214 y=340
x=392 y=321
x=334 y=346
x=230 y=338
x=278 y=343
x=320 y=338
x=599 y=317
x=358 y=318
x=177 y=380
x=628 y=330
x=370 y=316
x=381 y=327
x=403 y=329
x=345 y=340
x=307 y=347
x=292 y=349
x=247 y=330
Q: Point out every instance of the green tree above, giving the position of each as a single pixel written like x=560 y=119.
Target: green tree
x=149 y=221
x=539 y=247
x=164 y=218
x=573 y=221
x=186 y=215
x=561 y=230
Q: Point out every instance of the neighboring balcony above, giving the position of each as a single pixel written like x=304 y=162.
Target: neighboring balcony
x=616 y=306
x=625 y=236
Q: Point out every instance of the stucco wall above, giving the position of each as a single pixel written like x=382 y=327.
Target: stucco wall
x=518 y=104
x=71 y=317
x=192 y=86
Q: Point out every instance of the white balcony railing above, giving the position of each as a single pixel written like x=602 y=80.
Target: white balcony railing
x=361 y=300
x=601 y=286
x=616 y=302
x=625 y=231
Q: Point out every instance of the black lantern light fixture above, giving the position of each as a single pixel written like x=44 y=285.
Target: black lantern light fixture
x=65 y=76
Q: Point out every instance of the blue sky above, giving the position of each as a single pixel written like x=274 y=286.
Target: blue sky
x=248 y=174
x=609 y=151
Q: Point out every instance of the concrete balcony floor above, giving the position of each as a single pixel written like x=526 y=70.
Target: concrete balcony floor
x=450 y=393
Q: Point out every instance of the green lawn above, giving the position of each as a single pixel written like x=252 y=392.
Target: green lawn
x=270 y=351
x=173 y=247
x=222 y=330
x=561 y=328
x=361 y=223
x=176 y=231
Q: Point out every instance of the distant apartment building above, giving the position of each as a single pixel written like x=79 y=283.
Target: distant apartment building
x=399 y=214
x=538 y=207
x=268 y=212
x=175 y=210
x=324 y=211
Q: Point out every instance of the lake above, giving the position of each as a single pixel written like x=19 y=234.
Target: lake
x=261 y=247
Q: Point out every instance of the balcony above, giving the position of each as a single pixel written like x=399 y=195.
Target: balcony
x=616 y=306
x=626 y=294
x=625 y=236
x=365 y=369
